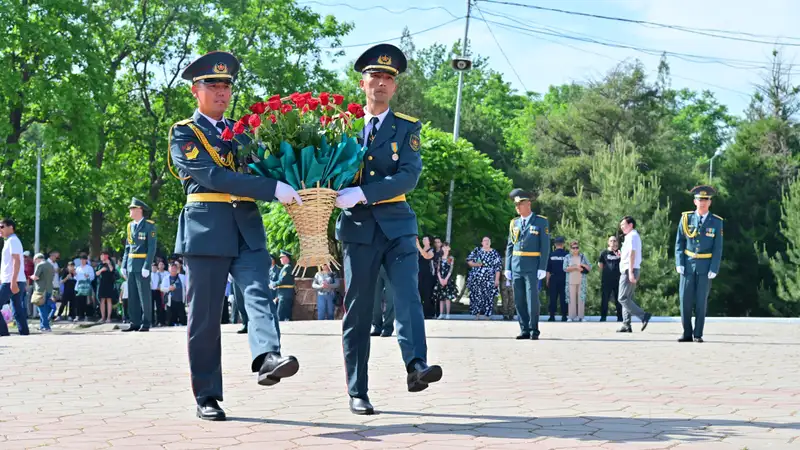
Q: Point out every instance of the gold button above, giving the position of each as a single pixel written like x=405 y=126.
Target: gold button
x=372 y=172
x=370 y=158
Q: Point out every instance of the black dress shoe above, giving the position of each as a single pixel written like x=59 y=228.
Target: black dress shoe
x=361 y=406
x=602 y=319
x=646 y=320
x=375 y=332
x=420 y=375
x=242 y=331
x=551 y=319
x=625 y=330
x=564 y=319
x=534 y=337
x=524 y=336
x=144 y=329
x=131 y=328
x=698 y=340
x=276 y=367
x=210 y=410
x=387 y=333
x=685 y=339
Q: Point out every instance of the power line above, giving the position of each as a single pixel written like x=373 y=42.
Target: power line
x=364 y=44
x=501 y=49
x=710 y=32
x=402 y=11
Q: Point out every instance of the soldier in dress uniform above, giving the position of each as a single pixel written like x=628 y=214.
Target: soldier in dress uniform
x=698 y=254
x=284 y=286
x=527 y=253
x=378 y=227
x=220 y=232
x=140 y=249
x=383 y=312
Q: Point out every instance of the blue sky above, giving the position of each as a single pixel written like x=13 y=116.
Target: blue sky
x=543 y=60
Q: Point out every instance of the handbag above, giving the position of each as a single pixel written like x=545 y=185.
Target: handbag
x=37 y=299
x=83 y=288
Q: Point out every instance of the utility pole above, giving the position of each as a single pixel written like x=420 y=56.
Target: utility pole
x=456 y=126
x=711 y=165
x=38 y=198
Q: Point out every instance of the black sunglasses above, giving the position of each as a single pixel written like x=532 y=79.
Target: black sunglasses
x=575 y=248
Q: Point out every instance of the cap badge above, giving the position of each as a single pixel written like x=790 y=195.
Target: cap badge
x=220 y=68
x=386 y=60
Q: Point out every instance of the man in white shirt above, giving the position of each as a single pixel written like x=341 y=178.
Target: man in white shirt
x=629 y=264
x=12 y=278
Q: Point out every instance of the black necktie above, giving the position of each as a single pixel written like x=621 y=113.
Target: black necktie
x=373 y=131
x=221 y=125
x=700 y=224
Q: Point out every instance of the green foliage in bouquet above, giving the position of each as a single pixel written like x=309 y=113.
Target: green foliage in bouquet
x=301 y=140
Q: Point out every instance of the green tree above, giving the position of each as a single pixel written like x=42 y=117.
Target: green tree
x=786 y=265
x=621 y=188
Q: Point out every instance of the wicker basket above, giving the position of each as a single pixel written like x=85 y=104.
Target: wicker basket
x=311 y=222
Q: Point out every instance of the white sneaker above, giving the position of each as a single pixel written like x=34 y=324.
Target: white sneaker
x=441 y=317
x=447 y=317
x=569 y=320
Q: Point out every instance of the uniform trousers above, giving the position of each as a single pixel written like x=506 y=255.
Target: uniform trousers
x=526 y=298
x=207 y=277
x=140 y=300
x=361 y=266
x=558 y=297
x=285 y=303
x=694 y=291
x=626 y=291
x=237 y=308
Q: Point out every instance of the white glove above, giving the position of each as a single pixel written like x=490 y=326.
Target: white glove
x=712 y=275
x=145 y=273
x=286 y=194
x=541 y=274
x=349 y=197
x=679 y=269
x=125 y=273
x=273 y=285
x=507 y=274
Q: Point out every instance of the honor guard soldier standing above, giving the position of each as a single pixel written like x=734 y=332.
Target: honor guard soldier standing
x=284 y=286
x=378 y=227
x=527 y=253
x=140 y=249
x=220 y=231
x=698 y=254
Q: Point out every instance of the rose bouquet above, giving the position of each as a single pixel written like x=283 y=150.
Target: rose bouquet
x=309 y=143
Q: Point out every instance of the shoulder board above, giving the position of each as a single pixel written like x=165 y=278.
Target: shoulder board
x=150 y=221
x=687 y=212
x=543 y=217
x=406 y=117
x=718 y=217
x=184 y=121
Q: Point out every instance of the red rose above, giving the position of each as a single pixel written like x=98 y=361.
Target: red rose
x=258 y=108
x=307 y=96
x=305 y=109
x=360 y=113
x=353 y=107
x=273 y=119
x=285 y=108
x=324 y=98
x=313 y=103
x=238 y=127
x=325 y=120
x=227 y=135
x=300 y=102
x=255 y=121
x=274 y=102
x=245 y=119
x=293 y=96
x=338 y=99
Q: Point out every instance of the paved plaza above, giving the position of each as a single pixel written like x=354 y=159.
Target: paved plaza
x=581 y=386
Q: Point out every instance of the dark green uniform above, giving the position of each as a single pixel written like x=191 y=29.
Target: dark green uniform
x=527 y=252
x=140 y=249
x=698 y=249
x=285 y=292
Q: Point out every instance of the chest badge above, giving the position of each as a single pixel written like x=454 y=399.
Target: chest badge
x=141 y=236
x=395 y=156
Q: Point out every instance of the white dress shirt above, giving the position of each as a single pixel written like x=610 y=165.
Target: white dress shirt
x=367 y=120
x=212 y=121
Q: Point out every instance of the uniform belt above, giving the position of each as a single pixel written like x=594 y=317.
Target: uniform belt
x=285 y=286
x=518 y=253
x=138 y=255
x=698 y=255
x=216 y=197
x=399 y=198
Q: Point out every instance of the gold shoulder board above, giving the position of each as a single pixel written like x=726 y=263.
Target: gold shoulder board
x=687 y=212
x=184 y=121
x=718 y=217
x=543 y=217
x=406 y=117
x=150 y=221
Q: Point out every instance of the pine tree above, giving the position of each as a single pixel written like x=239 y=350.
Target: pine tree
x=786 y=266
x=618 y=187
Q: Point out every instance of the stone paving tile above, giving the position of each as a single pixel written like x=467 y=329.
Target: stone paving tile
x=580 y=387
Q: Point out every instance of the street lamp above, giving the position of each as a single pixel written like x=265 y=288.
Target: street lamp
x=711 y=166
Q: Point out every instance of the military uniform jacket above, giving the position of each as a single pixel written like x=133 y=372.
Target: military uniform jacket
x=207 y=164
x=699 y=248
x=274 y=273
x=140 y=246
x=285 y=282
x=528 y=248
x=385 y=177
